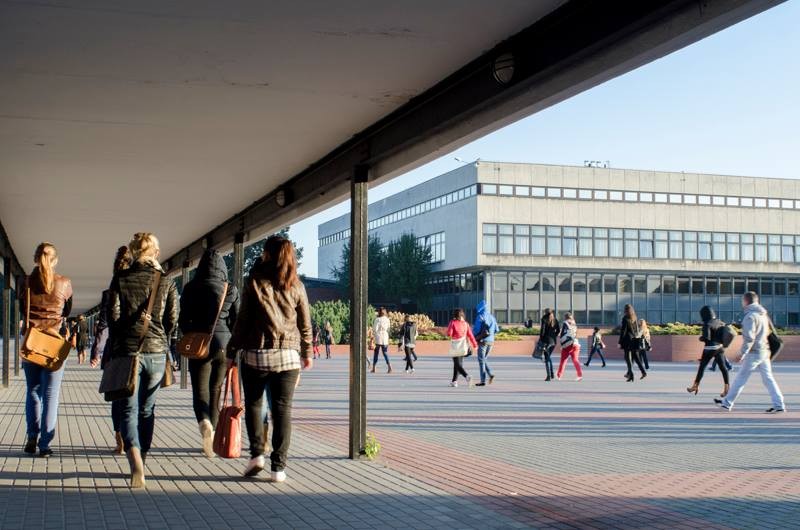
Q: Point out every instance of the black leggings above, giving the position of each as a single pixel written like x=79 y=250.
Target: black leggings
x=409 y=358
x=719 y=356
x=548 y=359
x=632 y=356
x=643 y=357
x=280 y=386
x=458 y=368
x=207 y=377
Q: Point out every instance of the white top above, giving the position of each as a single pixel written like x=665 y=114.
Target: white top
x=381 y=330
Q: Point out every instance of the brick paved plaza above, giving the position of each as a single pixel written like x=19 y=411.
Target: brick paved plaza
x=521 y=453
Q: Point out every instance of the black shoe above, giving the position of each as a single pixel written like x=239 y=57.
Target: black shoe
x=604 y=365
x=629 y=378
x=480 y=384
x=548 y=378
x=44 y=453
x=586 y=364
x=773 y=410
x=644 y=374
x=30 y=445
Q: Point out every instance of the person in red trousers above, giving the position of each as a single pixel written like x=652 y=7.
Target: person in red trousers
x=570 y=347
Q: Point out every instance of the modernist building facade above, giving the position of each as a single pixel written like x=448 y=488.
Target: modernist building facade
x=589 y=240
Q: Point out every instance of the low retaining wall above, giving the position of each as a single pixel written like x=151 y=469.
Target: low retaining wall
x=666 y=348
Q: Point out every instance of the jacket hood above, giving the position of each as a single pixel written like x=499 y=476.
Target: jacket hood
x=707 y=314
x=212 y=266
x=481 y=308
x=755 y=308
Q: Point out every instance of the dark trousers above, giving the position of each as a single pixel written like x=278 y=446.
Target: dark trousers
x=719 y=357
x=385 y=349
x=410 y=357
x=280 y=387
x=643 y=357
x=548 y=359
x=458 y=368
x=116 y=415
x=327 y=350
x=632 y=356
x=599 y=351
x=207 y=377
x=726 y=362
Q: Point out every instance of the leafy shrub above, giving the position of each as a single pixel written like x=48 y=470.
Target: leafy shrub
x=337 y=313
x=432 y=335
x=372 y=448
x=505 y=335
x=676 y=328
x=520 y=330
x=396 y=319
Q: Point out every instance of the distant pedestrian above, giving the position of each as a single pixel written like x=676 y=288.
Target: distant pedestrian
x=548 y=335
x=381 y=331
x=46 y=302
x=273 y=334
x=209 y=302
x=327 y=335
x=101 y=349
x=316 y=332
x=130 y=291
x=596 y=346
x=712 y=349
x=630 y=341
x=408 y=339
x=645 y=344
x=570 y=347
x=484 y=329
x=754 y=356
x=461 y=340
x=81 y=338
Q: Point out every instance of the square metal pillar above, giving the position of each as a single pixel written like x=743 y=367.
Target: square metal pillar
x=358 y=311
x=184 y=362
x=6 y=324
x=17 y=315
x=238 y=262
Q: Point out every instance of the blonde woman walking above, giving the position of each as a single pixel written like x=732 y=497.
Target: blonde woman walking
x=47 y=298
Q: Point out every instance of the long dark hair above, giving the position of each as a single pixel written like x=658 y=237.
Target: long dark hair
x=123 y=259
x=630 y=313
x=549 y=317
x=279 y=262
x=458 y=313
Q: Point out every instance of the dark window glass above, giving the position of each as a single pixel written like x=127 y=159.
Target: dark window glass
x=669 y=285
x=725 y=286
x=565 y=285
x=697 y=286
x=766 y=287
x=780 y=287
x=683 y=285
x=738 y=286
x=640 y=285
x=711 y=286
x=625 y=284
x=595 y=285
x=609 y=284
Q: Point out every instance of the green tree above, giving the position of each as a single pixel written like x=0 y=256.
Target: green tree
x=407 y=271
x=252 y=253
x=375 y=267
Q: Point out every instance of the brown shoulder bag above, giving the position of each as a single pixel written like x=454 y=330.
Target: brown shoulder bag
x=45 y=348
x=197 y=344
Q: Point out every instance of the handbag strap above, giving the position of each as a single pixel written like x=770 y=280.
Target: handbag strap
x=219 y=311
x=147 y=316
x=232 y=384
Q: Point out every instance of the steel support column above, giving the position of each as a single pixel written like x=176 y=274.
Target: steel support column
x=358 y=310
x=238 y=261
x=6 y=320
x=16 y=313
x=184 y=362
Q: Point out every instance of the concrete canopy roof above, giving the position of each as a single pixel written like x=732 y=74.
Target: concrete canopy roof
x=117 y=117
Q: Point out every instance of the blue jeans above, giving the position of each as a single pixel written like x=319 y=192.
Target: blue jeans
x=385 y=349
x=599 y=351
x=41 y=401
x=138 y=411
x=484 y=349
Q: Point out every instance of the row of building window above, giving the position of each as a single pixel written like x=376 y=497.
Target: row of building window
x=587 y=242
x=405 y=213
x=436 y=243
x=543 y=192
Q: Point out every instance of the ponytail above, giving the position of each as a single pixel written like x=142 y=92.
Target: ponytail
x=46 y=258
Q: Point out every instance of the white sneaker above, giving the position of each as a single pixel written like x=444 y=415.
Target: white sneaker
x=454 y=384
x=255 y=466
x=278 y=476
x=207 y=432
x=413 y=371
x=579 y=378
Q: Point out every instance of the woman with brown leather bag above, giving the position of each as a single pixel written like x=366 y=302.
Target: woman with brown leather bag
x=47 y=300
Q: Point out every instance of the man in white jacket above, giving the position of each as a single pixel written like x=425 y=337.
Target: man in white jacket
x=755 y=356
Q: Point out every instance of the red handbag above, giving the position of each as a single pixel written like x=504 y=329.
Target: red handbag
x=228 y=436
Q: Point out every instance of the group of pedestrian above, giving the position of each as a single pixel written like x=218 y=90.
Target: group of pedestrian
x=322 y=335
x=268 y=330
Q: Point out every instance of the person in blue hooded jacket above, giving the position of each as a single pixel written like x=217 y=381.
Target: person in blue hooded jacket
x=484 y=329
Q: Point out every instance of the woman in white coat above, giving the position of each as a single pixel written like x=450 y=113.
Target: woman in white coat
x=380 y=330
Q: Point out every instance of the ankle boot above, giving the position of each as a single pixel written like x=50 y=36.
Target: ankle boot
x=694 y=388
x=120 y=448
x=30 y=445
x=389 y=370
x=137 y=467
x=207 y=432
x=725 y=390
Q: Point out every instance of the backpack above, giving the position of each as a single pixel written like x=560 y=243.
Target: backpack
x=725 y=335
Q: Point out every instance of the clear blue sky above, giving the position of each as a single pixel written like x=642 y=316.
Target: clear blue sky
x=727 y=104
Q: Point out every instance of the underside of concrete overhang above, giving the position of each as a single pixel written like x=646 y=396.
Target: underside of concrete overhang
x=185 y=118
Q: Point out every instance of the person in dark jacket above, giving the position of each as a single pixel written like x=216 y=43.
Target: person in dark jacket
x=630 y=341
x=129 y=294
x=47 y=297
x=101 y=349
x=81 y=338
x=273 y=336
x=200 y=303
x=408 y=339
x=548 y=334
x=712 y=349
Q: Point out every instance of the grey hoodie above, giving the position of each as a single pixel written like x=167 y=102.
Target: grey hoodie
x=755 y=329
